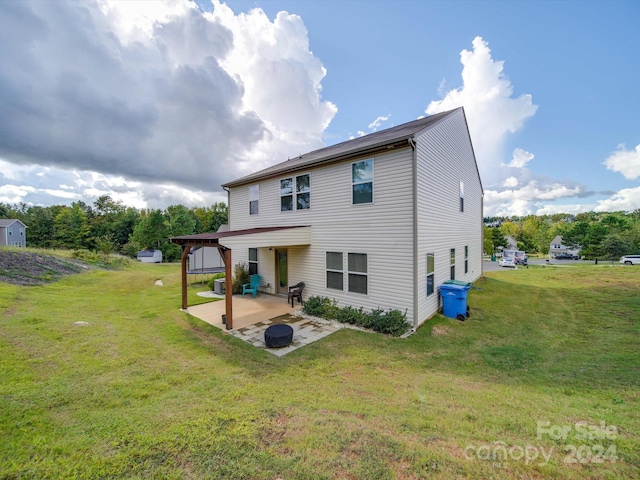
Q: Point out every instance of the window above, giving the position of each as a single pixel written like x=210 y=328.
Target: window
x=430 y=274
x=334 y=271
x=254 y=195
x=10 y=231
x=453 y=264
x=461 y=196
x=362 y=181
x=357 y=266
x=253 y=261
x=466 y=259
x=286 y=194
x=303 y=192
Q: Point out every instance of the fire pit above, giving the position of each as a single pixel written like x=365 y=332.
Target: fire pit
x=278 y=336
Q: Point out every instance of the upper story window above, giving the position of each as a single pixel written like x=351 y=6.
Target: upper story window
x=301 y=186
x=254 y=196
x=286 y=194
x=303 y=192
x=21 y=231
x=461 y=196
x=362 y=181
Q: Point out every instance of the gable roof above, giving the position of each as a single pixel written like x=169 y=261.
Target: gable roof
x=6 y=222
x=398 y=135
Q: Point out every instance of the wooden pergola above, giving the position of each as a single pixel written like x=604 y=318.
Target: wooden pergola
x=212 y=240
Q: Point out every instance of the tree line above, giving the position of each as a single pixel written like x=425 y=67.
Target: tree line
x=597 y=234
x=110 y=226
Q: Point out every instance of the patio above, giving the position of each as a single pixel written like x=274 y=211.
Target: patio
x=252 y=316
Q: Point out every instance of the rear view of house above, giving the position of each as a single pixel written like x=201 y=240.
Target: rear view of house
x=150 y=256
x=380 y=221
x=13 y=233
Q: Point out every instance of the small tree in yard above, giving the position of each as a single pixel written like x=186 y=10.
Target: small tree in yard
x=106 y=245
x=240 y=277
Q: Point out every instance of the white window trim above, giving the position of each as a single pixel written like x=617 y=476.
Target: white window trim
x=372 y=181
x=294 y=193
x=327 y=269
x=249 y=261
x=452 y=265
x=430 y=274
x=349 y=272
x=257 y=187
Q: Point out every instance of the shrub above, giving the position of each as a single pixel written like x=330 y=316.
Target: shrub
x=392 y=322
x=240 y=277
x=212 y=280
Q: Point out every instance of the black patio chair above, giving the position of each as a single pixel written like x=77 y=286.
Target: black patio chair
x=296 y=292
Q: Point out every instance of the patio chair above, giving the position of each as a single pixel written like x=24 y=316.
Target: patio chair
x=296 y=292
x=252 y=287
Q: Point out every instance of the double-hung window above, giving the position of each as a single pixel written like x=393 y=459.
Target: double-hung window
x=254 y=196
x=466 y=259
x=286 y=194
x=253 y=261
x=453 y=264
x=295 y=193
x=430 y=274
x=358 y=277
x=461 y=196
x=335 y=270
x=362 y=181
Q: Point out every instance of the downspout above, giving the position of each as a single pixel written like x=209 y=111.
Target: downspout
x=228 y=206
x=412 y=142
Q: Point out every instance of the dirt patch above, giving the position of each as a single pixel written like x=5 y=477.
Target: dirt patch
x=28 y=268
x=440 y=330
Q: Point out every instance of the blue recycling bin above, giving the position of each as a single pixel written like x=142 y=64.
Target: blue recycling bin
x=454 y=300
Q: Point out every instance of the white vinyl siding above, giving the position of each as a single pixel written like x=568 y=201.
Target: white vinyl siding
x=339 y=226
x=445 y=171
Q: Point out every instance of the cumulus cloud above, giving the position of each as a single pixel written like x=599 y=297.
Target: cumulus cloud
x=627 y=199
x=154 y=92
x=491 y=109
x=528 y=198
x=510 y=182
x=14 y=193
x=626 y=162
x=520 y=158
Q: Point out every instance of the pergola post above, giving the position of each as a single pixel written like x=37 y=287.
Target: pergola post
x=185 y=254
x=225 y=253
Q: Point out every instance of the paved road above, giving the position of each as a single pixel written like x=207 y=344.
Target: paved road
x=490 y=266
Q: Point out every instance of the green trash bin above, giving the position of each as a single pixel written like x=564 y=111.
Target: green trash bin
x=493 y=258
x=457 y=282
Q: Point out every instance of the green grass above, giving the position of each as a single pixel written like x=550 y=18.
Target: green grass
x=146 y=391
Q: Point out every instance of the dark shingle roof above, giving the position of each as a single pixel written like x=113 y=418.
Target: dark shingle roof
x=361 y=145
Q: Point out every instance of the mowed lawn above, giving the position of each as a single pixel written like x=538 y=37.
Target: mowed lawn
x=548 y=363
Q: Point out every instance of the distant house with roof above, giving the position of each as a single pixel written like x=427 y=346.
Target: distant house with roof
x=512 y=243
x=13 y=233
x=557 y=246
x=379 y=221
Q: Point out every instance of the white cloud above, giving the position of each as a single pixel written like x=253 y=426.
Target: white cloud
x=626 y=162
x=378 y=121
x=572 y=208
x=510 y=182
x=492 y=111
x=154 y=92
x=627 y=199
x=520 y=158
x=14 y=193
x=526 y=199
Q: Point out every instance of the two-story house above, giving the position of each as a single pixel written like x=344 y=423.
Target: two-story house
x=380 y=221
x=13 y=233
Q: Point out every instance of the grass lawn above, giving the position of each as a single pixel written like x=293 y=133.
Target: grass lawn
x=548 y=363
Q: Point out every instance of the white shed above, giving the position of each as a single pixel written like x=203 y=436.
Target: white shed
x=150 y=256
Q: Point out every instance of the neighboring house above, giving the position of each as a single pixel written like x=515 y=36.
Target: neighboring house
x=380 y=221
x=557 y=247
x=512 y=244
x=150 y=256
x=13 y=233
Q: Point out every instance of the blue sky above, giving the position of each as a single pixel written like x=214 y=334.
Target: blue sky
x=139 y=111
